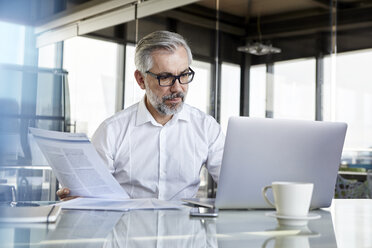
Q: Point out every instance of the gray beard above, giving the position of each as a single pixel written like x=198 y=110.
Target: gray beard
x=160 y=105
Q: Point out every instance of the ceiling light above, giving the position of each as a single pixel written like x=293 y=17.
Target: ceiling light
x=259 y=49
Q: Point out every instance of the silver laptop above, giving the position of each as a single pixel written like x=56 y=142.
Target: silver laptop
x=259 y=151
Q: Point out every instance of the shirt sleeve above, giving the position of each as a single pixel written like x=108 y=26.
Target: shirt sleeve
x=102 y=141
x=215 y=149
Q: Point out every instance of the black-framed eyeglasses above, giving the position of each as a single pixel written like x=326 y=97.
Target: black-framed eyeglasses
x=169 y=80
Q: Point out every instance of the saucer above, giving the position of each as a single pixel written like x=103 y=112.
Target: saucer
x=288 y=220
x=303 y=230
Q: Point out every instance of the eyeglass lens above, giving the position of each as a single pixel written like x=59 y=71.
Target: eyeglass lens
x=184 y=78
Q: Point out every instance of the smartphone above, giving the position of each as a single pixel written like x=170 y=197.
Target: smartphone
x=204 y=212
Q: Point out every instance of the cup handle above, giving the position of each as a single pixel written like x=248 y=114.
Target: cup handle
x=264 y=191
x=267 y=241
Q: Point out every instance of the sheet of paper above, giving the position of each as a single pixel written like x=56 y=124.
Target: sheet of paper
x=119 y=205
x=77 y=165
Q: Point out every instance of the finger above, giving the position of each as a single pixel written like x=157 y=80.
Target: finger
x=63 y=192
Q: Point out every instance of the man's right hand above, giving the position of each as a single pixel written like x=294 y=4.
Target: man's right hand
x=64 y=194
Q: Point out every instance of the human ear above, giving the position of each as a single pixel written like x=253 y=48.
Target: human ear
x=140 y=79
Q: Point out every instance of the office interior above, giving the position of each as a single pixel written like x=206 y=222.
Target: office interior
x=66 y=65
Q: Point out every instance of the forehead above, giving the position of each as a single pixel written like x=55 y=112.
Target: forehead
x=170 y=61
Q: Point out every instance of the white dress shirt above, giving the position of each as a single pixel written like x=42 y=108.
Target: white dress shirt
x=154 y=161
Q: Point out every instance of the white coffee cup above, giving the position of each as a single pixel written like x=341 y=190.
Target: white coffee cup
x=291 y=198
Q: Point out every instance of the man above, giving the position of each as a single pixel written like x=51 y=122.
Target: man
x=156 y=148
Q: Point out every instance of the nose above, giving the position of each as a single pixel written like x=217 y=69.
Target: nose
x=176 y=87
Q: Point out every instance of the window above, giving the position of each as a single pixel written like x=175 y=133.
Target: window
x=47 y=56
x=294 y=89
x=257 y=91
x=199 y=89
x=289 y=91
x=95 y=79
x=230 y=93
x=12 y=47
x=133 y=93
x=352 y=96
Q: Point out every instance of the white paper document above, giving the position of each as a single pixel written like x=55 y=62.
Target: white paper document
x=77 y=165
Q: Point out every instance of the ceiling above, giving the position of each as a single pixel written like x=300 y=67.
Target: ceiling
x=28 y=10
x=281 y=22
x=279 y=19
x=254 y=8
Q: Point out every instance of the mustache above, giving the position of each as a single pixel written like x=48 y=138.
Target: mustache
x=174 y=95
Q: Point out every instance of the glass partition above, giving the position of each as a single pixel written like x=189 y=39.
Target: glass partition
x=294 y=89
x=132 y=92
x=352 y=104
x=257 y=91
x=230 y=93
x=13 y=46
x=29 y=97
x=95 y=77
x=199 y=89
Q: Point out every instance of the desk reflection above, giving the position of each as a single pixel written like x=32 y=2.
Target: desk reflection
x=162 y=229
x=87 y=229
x=167 y=228
x=300 y=239
x=255 y=229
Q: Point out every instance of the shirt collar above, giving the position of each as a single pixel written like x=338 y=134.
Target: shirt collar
x=144 y=115
x=184 y=114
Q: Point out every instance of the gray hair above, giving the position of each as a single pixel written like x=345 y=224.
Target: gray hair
x=158 y=40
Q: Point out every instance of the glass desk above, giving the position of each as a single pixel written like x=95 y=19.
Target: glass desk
x=347 y=223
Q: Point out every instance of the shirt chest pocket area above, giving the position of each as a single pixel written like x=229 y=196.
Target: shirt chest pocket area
x=185 y=159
